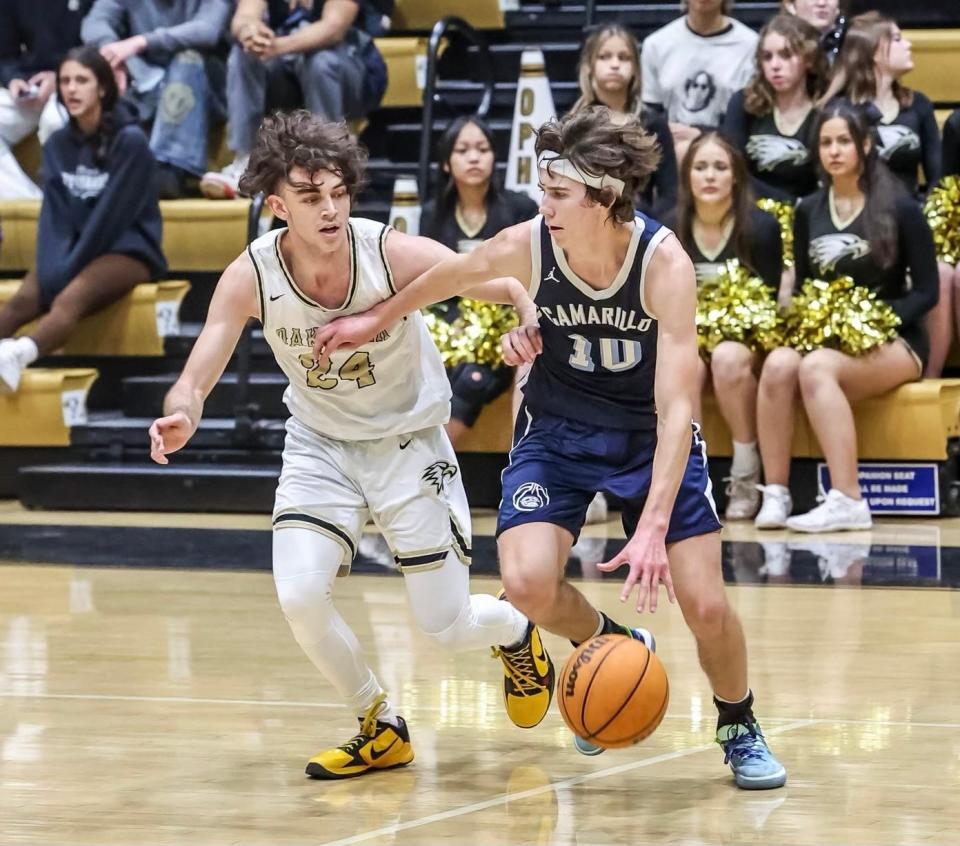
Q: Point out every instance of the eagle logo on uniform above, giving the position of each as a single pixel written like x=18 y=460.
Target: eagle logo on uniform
x=893 y=139
x=828 y=250
x=438 y=473
x=768 y=151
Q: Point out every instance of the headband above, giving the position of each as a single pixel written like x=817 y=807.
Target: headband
x=557 y=165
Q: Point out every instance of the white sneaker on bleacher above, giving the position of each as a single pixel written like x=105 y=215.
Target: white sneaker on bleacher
x=224 y=184
x=10 y=366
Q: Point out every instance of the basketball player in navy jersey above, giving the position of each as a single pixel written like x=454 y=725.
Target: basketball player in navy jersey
x=607 y=407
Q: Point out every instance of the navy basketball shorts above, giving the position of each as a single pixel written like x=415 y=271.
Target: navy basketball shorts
x=557 y=465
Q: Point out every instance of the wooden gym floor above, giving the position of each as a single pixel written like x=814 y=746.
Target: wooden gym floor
x=160 y=704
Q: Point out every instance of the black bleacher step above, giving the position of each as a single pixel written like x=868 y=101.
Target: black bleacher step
x=642 y=18
x=560 y=59
x=143 y=395
x=404 y=138
x=114 y=430
x=148 y=487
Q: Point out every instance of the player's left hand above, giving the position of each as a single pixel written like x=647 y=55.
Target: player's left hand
x=346 y=332
x=646 y=554
x=521 y=345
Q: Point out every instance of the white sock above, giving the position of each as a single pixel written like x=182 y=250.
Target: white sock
x=746 y=459
x=25 y=349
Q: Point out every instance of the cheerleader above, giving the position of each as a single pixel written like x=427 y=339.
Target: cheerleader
x=717 y=221
x=862 y=225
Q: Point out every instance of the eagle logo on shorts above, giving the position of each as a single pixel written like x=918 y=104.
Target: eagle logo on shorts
x=768 y=151
x=827 y=250
x=438 y=473
x=530 y=496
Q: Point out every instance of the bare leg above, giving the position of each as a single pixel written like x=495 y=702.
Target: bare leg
x=940 y=324
x=22 y=307
x=533 y=558
x=698 y=582
x=776 y=404
x=830 y=381
x=455 y=430
x=735 y=385
x=101 y=283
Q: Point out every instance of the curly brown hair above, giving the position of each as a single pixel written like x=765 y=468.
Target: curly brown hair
x=596 y=144
x=802 y=39
x=302 y=139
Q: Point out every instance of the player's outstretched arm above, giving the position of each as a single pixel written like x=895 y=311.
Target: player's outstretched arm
x=671 y=296
x=426 y=272
x=234 y=301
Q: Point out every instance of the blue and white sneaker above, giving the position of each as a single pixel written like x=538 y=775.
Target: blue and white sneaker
x=745 y=750
x=585 y=747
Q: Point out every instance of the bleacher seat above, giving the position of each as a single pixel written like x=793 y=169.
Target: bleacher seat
x=133 y=326
x=198 y=235
x=912 y=423
x=48 y=403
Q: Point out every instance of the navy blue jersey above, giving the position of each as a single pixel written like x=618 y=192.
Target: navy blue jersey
x=599 y=347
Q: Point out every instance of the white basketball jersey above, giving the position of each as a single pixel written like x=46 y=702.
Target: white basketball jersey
x=393 y=385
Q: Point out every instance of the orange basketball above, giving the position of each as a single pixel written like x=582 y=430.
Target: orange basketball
x=613 y=691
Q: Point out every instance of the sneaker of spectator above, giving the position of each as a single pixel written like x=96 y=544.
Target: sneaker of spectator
x=224 y=184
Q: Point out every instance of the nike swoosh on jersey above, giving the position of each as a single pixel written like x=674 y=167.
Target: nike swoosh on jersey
x=404 y=446
x=275 y=297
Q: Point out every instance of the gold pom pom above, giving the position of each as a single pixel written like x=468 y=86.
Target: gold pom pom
x=474 y=336
x=783 y=212
x=736 y=306
x=942 y=210
x=838 y=315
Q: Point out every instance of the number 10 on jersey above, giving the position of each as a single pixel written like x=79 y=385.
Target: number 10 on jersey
x=357 y=368
x=616 y=354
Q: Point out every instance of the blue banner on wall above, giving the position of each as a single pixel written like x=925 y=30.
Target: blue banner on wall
x=895 y=488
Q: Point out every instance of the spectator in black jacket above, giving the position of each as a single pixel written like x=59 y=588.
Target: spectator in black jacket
x=717 y=221
x=31 y=47
x=609 y=75
x=469 y=208
x=100 y=225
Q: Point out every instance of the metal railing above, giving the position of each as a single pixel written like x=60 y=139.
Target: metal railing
x=440 y=29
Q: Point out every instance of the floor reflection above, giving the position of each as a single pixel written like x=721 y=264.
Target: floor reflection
x=868 y=559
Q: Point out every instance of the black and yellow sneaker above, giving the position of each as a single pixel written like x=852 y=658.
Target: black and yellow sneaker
x=378 y=746
x=527 y=679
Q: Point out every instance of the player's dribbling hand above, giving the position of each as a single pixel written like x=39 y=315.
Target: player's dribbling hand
x=649 y=568
x=168 y=434
x=347 y=332
x=521 y=345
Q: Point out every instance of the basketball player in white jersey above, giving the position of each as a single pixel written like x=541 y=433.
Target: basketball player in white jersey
x=607 y=407
x=365 y=435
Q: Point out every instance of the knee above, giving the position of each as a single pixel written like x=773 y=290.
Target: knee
x=307 y=597
x=531 y=596
x=706 y=614
x=816 y=369
x=780 y=370
x=325 y=63
x=731 y=364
